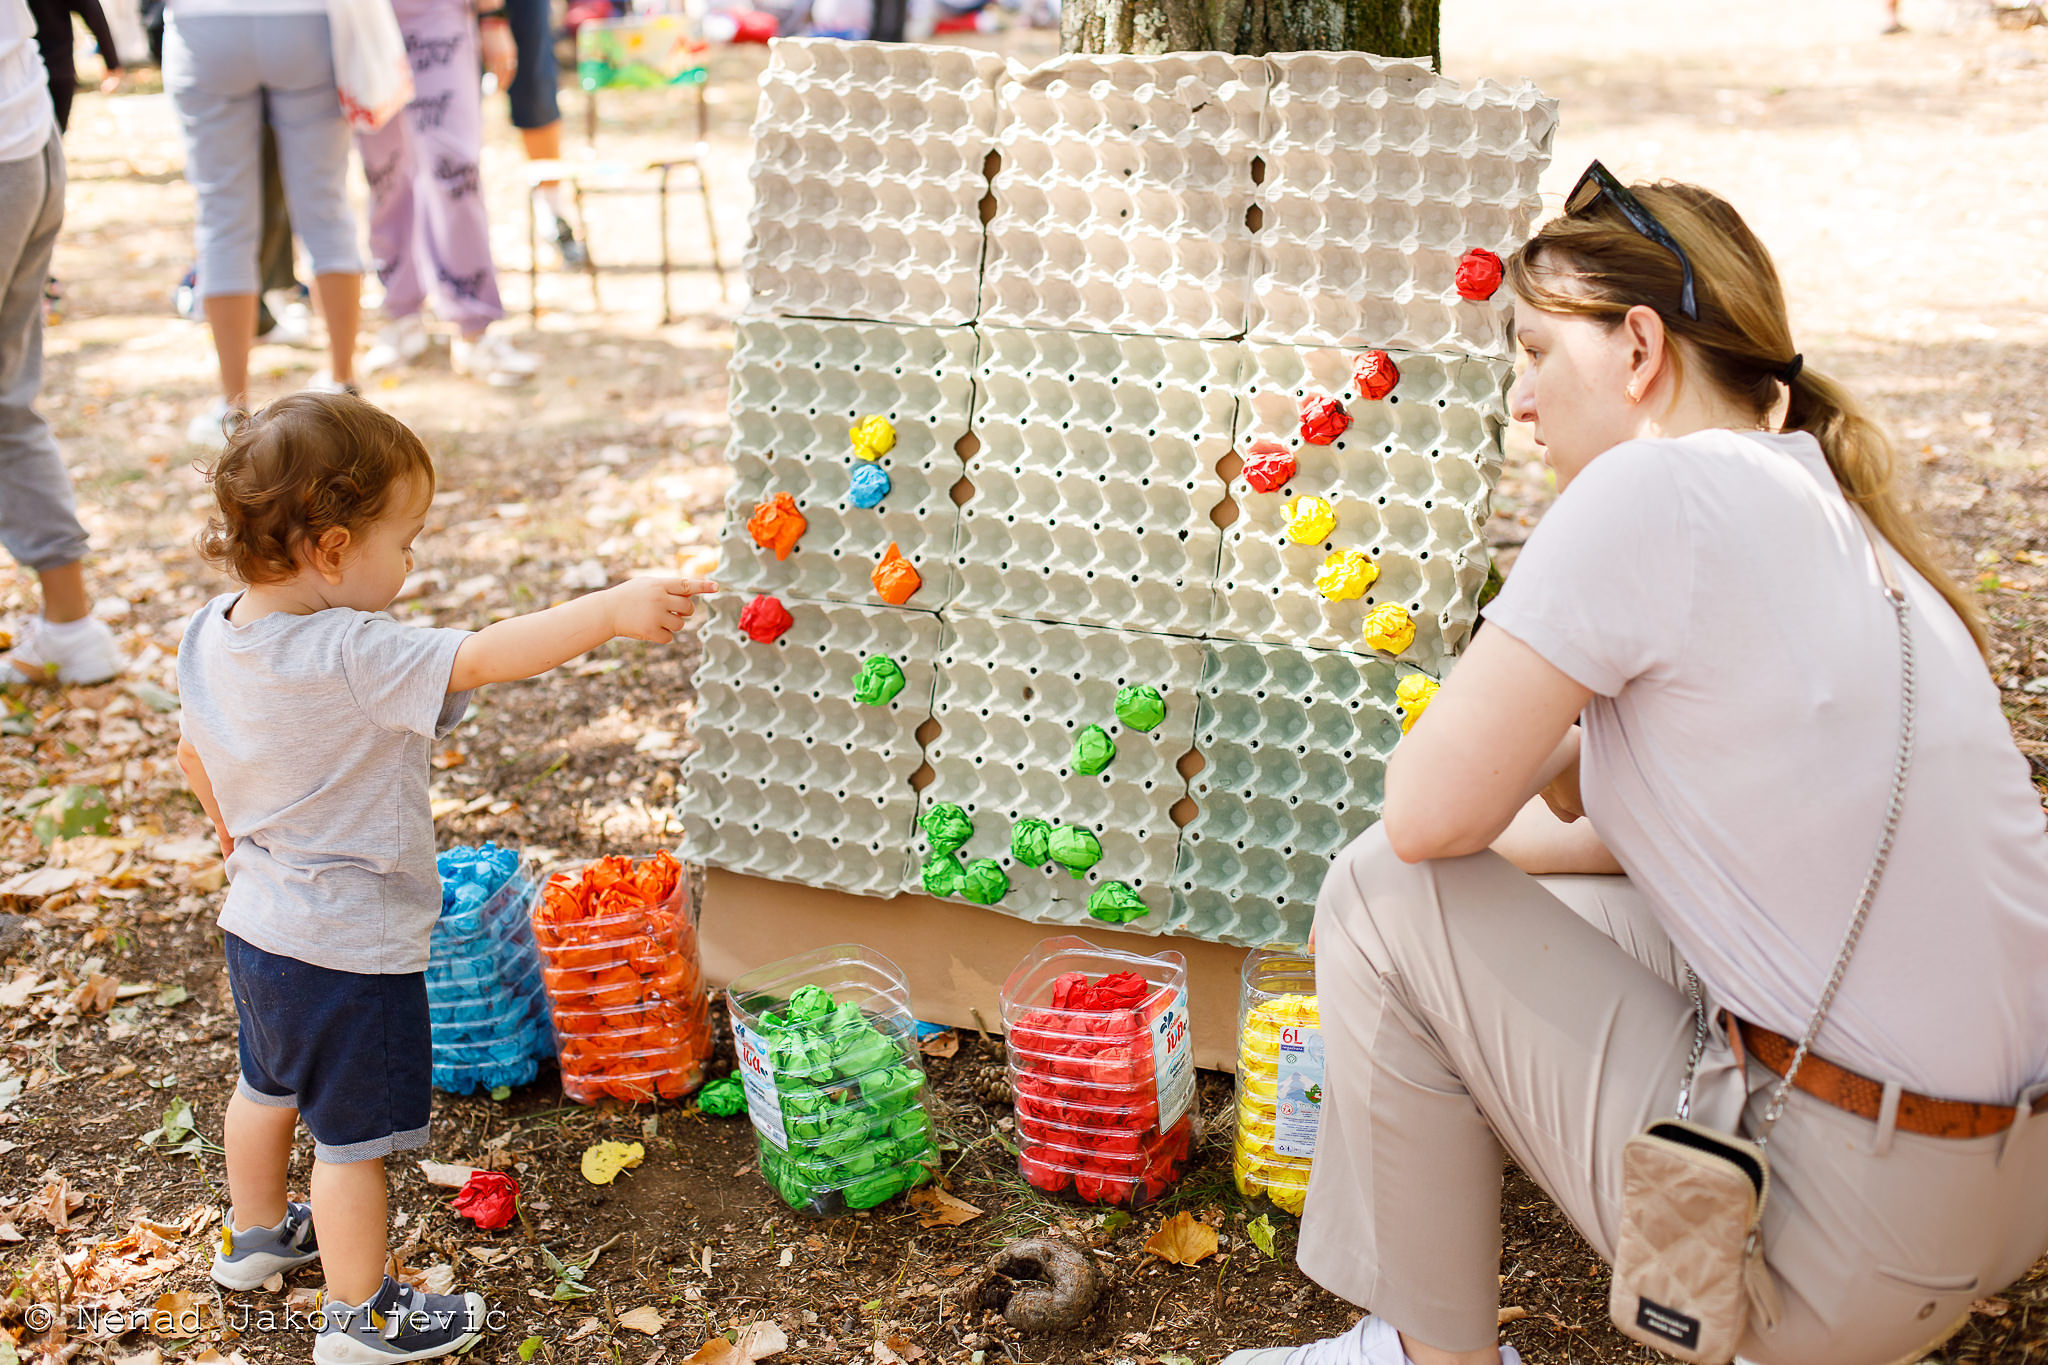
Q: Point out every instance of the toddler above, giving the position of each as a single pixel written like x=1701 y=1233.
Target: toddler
x=308 y=719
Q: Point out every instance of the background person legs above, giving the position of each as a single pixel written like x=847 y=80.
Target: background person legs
x=534 y=98
x=38 y=514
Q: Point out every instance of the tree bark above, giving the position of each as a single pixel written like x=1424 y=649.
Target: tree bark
x=1387 y=28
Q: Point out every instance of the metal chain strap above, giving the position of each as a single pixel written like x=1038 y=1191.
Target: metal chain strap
x=1896 y=595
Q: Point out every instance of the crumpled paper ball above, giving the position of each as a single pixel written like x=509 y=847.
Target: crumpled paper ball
x=485 y=996
x=868 y=485
x=1345 y=575
x=1116 y=903
x=777 y=525
x=1075 y=849
x=895 y=578
x=1140 y=707
x=1375 y=375
x=723 y=1098
x=1479 y=274
x=1031 y=842
x=1093 y=750
x=490 y=1199
x=1323 y=419
x=1310 y=520
x=765 y=619
x=942 y=874
x=1389 y=627
x=879 y=680
x=984 y=881
x=873 y=437
x=1415 y=692
x=947 y=826
x=1268 y=465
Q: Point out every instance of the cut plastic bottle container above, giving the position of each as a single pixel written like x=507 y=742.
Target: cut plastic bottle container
x=620 y=968
x=1279 y=1078
x=828 y=1055
x=1104 y=1091
x=484 y=998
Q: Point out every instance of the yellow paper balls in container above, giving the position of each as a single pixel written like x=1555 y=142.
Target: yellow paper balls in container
x=1388 y=627
x=1310 y=520
x=1345 y=575
x=1279 y=1079
x=1415 y=692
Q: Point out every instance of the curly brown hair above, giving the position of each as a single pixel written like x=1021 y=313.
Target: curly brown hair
x=295 y=470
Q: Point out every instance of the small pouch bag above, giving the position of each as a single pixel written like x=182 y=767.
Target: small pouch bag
x=1689 y=1272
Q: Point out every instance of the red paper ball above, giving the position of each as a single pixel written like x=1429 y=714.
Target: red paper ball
x=1479 y=273
x=1376 y=375
x=1268 y=465
x=765 y=619
x=1323 y=420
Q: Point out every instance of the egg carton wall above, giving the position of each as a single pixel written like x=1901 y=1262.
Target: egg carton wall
x=1012 y=697
x=1294 y=744
x=793 y=778
x=1379 y=175
x=1411 y=480
x=1095 y=478
x=870 y=165
x=1123 y=195
x=798 y=385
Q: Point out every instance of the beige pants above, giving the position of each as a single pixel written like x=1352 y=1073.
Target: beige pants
x=1467 y=1008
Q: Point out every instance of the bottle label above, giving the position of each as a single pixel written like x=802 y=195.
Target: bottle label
x=757 y=1078
x=1173 y=1058
x=1298 y=1065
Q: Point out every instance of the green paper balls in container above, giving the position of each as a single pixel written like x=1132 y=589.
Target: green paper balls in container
x=834 y=1084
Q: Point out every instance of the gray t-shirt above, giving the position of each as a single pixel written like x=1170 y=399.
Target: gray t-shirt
x=1716 y=594
x=316 y=733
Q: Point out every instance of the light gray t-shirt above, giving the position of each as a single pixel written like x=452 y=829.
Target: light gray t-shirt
x=316 y=733
x=1717 y=595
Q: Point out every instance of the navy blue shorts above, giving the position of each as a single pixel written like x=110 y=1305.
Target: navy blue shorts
x=535 y=80
x=352 y=1052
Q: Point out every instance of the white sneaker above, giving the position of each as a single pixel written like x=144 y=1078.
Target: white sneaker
x=291 y=322
x=211 y=427
x=1372 y=1342
x=494 y=360
x=76 y=652
x=399 y=342
x=324 y=382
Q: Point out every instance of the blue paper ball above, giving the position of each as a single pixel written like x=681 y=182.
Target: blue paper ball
x=870 y=484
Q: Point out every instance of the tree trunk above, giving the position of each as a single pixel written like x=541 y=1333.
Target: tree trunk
x=1387 y=28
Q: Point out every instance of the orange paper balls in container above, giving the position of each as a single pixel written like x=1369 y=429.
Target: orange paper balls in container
x=777 y=525
x=895 y=578
x=619 y=954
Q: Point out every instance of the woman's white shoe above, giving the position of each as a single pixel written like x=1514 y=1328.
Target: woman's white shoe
x=1372 y=1342
x=494 y=360
x=399 y=342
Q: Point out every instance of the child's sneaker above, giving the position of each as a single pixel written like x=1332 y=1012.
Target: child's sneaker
x=81 y=652
x=249 y=1256
x=398 y=1323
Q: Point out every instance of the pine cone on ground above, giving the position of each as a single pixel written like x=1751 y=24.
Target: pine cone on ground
x=989 y=1082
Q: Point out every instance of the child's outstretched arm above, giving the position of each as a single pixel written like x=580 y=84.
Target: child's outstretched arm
x=202 y=787
x=649 y=609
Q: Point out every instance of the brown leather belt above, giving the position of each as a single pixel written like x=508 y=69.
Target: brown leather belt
x=1863 y=1097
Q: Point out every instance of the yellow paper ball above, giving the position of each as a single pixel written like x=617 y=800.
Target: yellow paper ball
x=1389 y=627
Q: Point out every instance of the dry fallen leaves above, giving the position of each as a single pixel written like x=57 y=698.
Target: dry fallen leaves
x=55 y=1204
x=646 y=1320
x=757 y=1341
x=95 y=995
x=602 y=1161
x=897 y=1350
x=941 y=1210
x=1511 y=1313
x=941 y=1045
x=1182 y=1240
x=448 y=1174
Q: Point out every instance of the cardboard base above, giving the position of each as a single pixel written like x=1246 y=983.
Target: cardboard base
x=956 y=956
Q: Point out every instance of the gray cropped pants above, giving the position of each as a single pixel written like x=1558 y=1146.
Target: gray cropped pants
x=38 y=516
x=1468 y=1008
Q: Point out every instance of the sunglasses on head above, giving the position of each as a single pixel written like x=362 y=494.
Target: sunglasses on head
x=1598 y=183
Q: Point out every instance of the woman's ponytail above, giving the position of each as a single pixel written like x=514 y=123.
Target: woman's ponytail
x=1866 y=467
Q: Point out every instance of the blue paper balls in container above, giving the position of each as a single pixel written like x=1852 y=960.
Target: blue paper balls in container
x=484 y=991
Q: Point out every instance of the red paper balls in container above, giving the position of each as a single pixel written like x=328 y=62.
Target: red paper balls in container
x=1375 y=374
x=1479 y=274
x=1268 y=465
x=1102 y=1070
x=1323 y=419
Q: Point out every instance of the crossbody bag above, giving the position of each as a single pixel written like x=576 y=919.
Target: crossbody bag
x=1689 y=1271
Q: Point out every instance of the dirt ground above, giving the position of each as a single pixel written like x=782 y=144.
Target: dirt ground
x=1902 y=183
